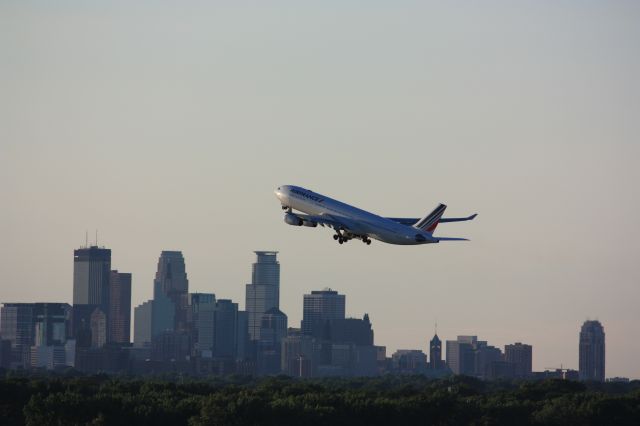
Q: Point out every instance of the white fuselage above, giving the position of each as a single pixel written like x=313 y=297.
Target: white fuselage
x=358 y=222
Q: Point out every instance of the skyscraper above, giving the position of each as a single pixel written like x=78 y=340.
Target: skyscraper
x=202 y=308
x=320 y=306
x=520 y=355
x=264 y=291
x=171 y=281
x=91 y=270
x=120 y=307
x=33 y=324
x=272 y=330
x=226 y=331
x=592 y=351
x=460 y=354
x=435 y=353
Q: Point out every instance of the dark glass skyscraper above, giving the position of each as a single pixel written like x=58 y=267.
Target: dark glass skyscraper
x=171 y=281
x=91 y=270
x=592 y=351
x=321 y=306
x=120 y=307
x=264 y=291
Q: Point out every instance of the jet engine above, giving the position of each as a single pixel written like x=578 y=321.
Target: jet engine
x=292 y=219
x=309 y=223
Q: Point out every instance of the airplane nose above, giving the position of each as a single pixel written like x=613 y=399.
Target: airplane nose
x=278 y=193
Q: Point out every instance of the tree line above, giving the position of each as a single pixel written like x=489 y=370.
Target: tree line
x=72 y=399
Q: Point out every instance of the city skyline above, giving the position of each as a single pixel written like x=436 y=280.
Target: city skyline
x=319 y=305
x=167 y=127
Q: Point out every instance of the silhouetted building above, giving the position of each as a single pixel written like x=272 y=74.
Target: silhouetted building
x=592 y=351
x=273 y=329
x=33 y=324
x=5 y=354
x=98 y=323
x=91 y=270
x=485 y=356
x=264 y=291
x=299 y=354
x=226 y=332
x=435 y=353
x=120 y=307
x=409 y=361
x=520 y=355
x=500 y=370
x=460 y=356
x=320 y=306
x=171 y=281
x=202 y=308
x=171 y=346
x=142 y=324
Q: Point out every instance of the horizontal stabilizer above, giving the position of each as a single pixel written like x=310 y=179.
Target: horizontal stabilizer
x=451 y=239
x=457 y=219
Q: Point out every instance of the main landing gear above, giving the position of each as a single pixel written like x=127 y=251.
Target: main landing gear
x=341 y=239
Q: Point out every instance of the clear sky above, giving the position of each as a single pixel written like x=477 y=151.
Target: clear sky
x=167 y=125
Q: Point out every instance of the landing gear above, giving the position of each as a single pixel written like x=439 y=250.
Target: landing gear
x=286 y=208
x=336 y=236
x=366 y=240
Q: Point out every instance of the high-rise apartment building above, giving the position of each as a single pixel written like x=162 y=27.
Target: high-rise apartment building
x=321 y=306
x=263 y=293
x=592 y=351
x=171 y=281
x=91 y=271
x=119 y=307
x=520 y=355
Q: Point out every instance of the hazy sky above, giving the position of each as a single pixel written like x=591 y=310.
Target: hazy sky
x=167 y=126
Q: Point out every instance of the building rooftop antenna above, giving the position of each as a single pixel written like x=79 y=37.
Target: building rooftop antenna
x=96 y=238
x=86 y=238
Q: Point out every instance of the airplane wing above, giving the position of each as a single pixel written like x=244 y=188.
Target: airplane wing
x=410 y=221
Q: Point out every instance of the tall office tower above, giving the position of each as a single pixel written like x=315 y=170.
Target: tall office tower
x=120 y=307
x=91 y=270
x=243 y=343
x=33 y=324
x=520 y=355
x=264 y=291
x=460 y=355
x=226 y=332
x=202 y=308
x=320 y=306
x=171 y=280
x=592 y=351
x=435 y=353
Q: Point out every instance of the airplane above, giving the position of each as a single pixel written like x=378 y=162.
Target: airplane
x=352 y=223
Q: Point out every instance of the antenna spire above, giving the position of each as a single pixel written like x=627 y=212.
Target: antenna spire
x=86 y=238
x=96 y=238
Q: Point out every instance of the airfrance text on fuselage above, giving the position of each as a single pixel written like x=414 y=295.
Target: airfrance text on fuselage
x=309 y=196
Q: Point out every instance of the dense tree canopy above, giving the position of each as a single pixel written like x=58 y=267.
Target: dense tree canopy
x=391 y=401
